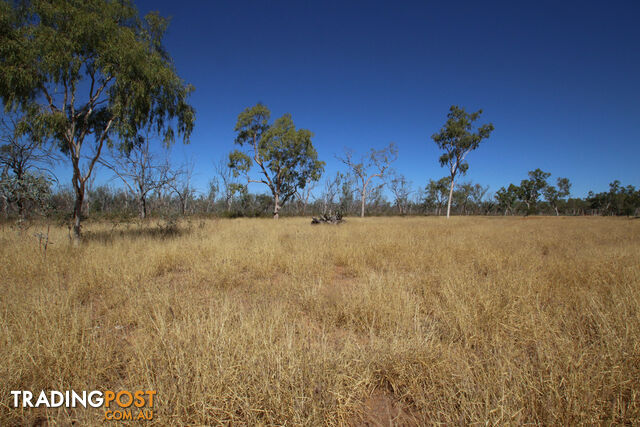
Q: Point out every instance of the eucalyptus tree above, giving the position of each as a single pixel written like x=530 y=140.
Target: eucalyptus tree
x=401 y=189
x=619 y=200
x=477 y=194
x=372 y=165
x=530 y=189
x=462 y=195
x=507 y=198
x=457 y=139
x=436 y=193
x=90 y=73
x=554 y=195
x=376 y=200
x=468 y=192
x=285 y=157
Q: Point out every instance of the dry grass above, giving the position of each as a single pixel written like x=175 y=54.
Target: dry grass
x=379 y=321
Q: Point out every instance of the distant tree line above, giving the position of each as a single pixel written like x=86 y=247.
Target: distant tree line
x=89 y=84
x=225 y=197
x=144 y=183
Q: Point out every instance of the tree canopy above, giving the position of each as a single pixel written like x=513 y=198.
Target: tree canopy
x=284 y=155
x=457 y=139
x=90 y=69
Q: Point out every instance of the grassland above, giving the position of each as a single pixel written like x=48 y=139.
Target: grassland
x=381 y=321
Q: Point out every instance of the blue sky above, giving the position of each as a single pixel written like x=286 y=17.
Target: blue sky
x=559 y=80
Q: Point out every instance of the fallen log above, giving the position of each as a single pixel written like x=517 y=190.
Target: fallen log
x=327 y=219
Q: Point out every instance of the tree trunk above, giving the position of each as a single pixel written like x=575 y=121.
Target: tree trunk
x=77 y=211
x=87 y=202
x=450 y=197
x=143 y=207
x=78 y=186
x=364 y=198
x=20 y=203
x=276 y=206
x=557 y=213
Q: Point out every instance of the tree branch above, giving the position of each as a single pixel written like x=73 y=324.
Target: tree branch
x=99 y=150
x=52 y=107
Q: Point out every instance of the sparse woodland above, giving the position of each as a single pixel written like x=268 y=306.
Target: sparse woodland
x=521 y=307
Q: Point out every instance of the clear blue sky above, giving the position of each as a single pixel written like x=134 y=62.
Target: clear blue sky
x=559 y=80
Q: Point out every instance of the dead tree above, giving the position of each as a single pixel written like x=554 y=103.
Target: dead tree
x=140 y=170
x=327 y=219
x=229 y=185
x=25 y=163
x=330 y=191
x=373 y=165
x=401 y=189
x=179 y=182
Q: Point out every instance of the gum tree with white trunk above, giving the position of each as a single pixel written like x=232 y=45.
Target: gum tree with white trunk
x=457 y=139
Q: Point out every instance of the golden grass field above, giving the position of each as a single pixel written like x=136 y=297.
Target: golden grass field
x=381 y=321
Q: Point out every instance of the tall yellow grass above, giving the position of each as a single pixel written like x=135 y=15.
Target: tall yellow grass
x=379 y=321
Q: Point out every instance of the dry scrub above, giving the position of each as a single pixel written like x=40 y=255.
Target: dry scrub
x=389 y=321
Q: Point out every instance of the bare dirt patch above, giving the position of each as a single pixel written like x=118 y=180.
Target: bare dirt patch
x=381 y=409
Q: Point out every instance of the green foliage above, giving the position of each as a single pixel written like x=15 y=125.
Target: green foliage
x=90 y=69
x=477 y=193
x=252 y=123
x=457 y=138
x=530 y=189
x=50 y=50
x=507 y=198
x=284 y=155
x=564 y=187
x=28 y=193
x=554 y=195
x=619 y=200
x=468 y=196
x=436 y=193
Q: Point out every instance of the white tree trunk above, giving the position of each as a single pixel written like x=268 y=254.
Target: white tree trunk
x=276 y=207
x=450 y=197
